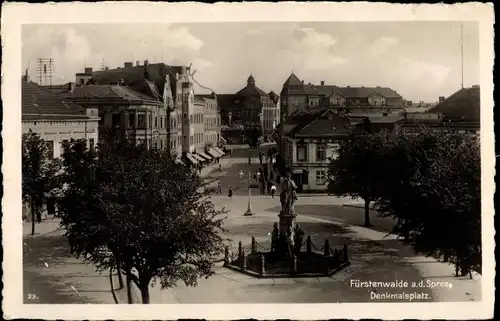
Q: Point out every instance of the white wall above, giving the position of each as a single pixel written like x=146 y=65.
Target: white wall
x=57 y=131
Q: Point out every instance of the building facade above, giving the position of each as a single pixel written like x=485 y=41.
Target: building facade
x=186 y=116
x=248 y=114
x=362 y=101
x=141 y=118
x=312 y=139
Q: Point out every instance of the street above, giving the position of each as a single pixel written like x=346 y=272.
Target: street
x=51 y=275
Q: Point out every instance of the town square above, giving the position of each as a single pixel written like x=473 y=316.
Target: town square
x=215 y=165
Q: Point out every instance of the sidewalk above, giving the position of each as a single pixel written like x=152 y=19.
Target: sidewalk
x=45 y=227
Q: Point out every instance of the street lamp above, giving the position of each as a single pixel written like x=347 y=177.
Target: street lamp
x=249 y=209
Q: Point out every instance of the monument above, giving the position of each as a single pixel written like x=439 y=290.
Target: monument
x=284 y=257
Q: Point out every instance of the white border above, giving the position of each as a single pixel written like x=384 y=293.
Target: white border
x=16 y=14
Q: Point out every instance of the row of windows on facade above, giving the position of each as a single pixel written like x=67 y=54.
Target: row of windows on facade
x=141 y=120
x=336 y=102
x=64 y=142
x=302 y=154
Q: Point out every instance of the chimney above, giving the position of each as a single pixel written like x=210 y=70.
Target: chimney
x=127 y=64
x=88 y=70
x=441 y=99
x=26 y=77
x=322 y=83
x=302 y=82
x=146 y=69
x=71 y=87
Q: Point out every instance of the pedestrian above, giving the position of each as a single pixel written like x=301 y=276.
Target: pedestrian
x=230 y=191
x=260 y=158
x=220 y=168
x=278 y=178
x=271 y=175
x=269 y=184
x=249 y=161
x=273 y=190
x=219 y=188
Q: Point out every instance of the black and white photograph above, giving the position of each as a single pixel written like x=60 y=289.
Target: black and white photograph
x=244 y=162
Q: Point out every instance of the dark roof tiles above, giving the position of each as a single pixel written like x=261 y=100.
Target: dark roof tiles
x=463 y=105
x=39 y=102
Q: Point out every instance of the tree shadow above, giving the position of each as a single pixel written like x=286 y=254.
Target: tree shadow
x=50 y=271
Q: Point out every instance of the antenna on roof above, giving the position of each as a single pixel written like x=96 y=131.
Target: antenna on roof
x=462 y=47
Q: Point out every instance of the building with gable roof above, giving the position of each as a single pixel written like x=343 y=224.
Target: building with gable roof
x=373 y=101
x=56 y=119
x=249 y=114
x=171 y=85
x=311 y=139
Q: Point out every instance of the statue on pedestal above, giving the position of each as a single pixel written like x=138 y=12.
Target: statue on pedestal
x=288 y=195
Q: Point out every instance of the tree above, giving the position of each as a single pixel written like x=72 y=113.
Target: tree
x=39 y=172
x=432 y=188
x=354 y=172
x=141 y=208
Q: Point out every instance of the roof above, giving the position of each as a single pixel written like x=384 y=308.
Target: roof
x=294 y=86
x=463 y=105
x=199 y=100
x=292 y=80
x=110 y=92
x=251 y=90
x=385 y=119
x=326 y=124
x=300 y=119
x=40 y=103
x=135 y=77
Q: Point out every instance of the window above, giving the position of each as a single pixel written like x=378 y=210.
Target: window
x=50 y=148
x=141 y=121
x=156 y=122
x=320 y=153
x=131 y=120
x=320 y=178
x=301 y=153
x=161 y=122
x=115 y=120
x=91 y=143
x=150 y=124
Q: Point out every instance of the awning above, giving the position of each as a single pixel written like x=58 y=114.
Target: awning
x=205 y=156
x=199 y=158
x=214 y=153
x=222 y=139
x=218 y=150
x=191 y=158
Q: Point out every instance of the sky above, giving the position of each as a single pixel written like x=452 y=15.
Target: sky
x=420 y=60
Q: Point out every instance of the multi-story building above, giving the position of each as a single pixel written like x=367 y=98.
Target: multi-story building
x=311 y=140
x=249 y=114
x=361 y=101
x=152 y=79
x=57 y=121
x=141 y=118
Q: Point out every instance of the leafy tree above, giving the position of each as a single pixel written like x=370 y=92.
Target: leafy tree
x=432 y=188
x=355 y=171
x=39 y=171
x=141 y=208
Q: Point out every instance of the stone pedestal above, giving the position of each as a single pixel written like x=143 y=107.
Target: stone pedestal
x=287 y=221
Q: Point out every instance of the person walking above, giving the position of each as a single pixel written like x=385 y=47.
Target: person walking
x=219 y=188
x=273 y=190
x=249 y=161
x=220 y=168
x=260 y=158
x=230 y=192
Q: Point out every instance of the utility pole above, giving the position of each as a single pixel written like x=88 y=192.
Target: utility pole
x=462 y=51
